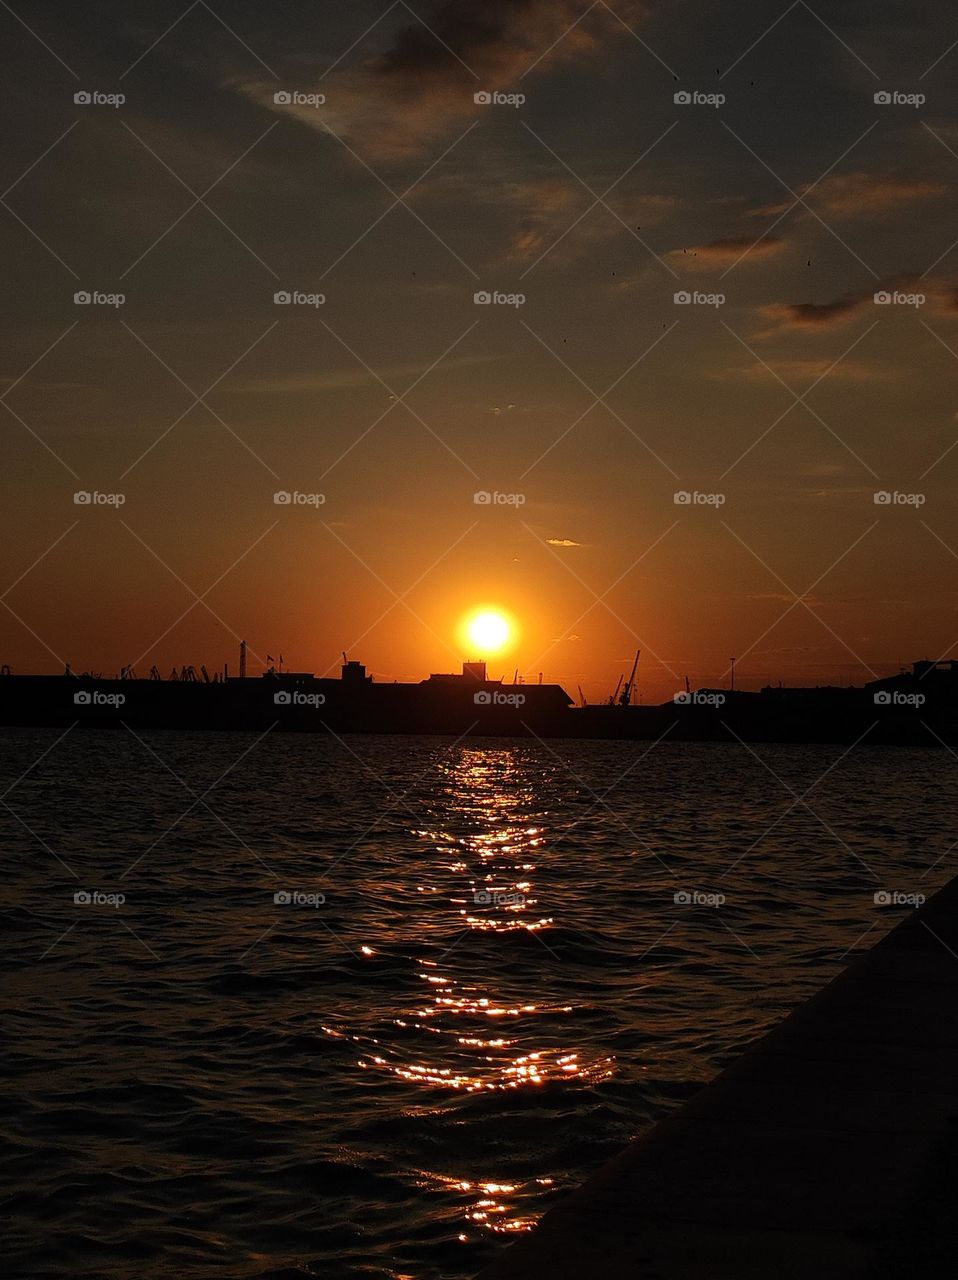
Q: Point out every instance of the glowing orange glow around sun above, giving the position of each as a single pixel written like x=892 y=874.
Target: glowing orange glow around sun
x=487 y=631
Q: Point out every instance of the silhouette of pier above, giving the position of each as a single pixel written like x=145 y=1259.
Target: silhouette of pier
x=828 y=1151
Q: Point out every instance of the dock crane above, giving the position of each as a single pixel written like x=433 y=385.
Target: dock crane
x=613 y=699
x=625 y=698
x=582 y=701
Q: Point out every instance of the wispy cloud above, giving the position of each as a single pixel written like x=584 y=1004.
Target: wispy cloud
x=856 y=194
x=811 y=317
x=796 y=372
x=724 y=252
x=349 y=378
x=816 y=317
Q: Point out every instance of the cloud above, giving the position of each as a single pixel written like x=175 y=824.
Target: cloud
x=562 y=542
x=721 y=253
x=942 y=296
x=349 y=378
x=406 y=99
x=549 y=207
x=856 y=194
x=811 y=317
x=817 y=317
x=798 y=371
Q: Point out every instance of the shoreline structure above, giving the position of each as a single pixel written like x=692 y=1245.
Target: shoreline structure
x=918 y=707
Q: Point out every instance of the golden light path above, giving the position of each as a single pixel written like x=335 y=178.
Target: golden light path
x=468 y=1032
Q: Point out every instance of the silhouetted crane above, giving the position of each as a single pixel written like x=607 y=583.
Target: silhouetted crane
x=625 y=698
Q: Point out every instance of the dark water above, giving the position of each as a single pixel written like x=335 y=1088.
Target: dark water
x=201 y=1081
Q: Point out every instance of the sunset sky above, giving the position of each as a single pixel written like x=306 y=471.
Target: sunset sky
x=599 y=198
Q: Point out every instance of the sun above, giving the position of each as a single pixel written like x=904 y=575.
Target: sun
x=487 y=630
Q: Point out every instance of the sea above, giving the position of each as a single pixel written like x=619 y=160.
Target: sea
x=280 y=1006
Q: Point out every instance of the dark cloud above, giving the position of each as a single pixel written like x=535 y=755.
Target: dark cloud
x=457 y=32
x=812 y=315
x=412 y=95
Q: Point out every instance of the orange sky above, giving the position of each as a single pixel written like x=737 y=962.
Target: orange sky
x=596 y=400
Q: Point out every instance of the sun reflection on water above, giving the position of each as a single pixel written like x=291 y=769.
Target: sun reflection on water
x=475 y=1029
x=489 y=1208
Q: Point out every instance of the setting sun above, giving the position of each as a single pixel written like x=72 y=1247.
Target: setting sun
x=487 y=631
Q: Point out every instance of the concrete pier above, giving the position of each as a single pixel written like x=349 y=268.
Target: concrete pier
x=828 y=1151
